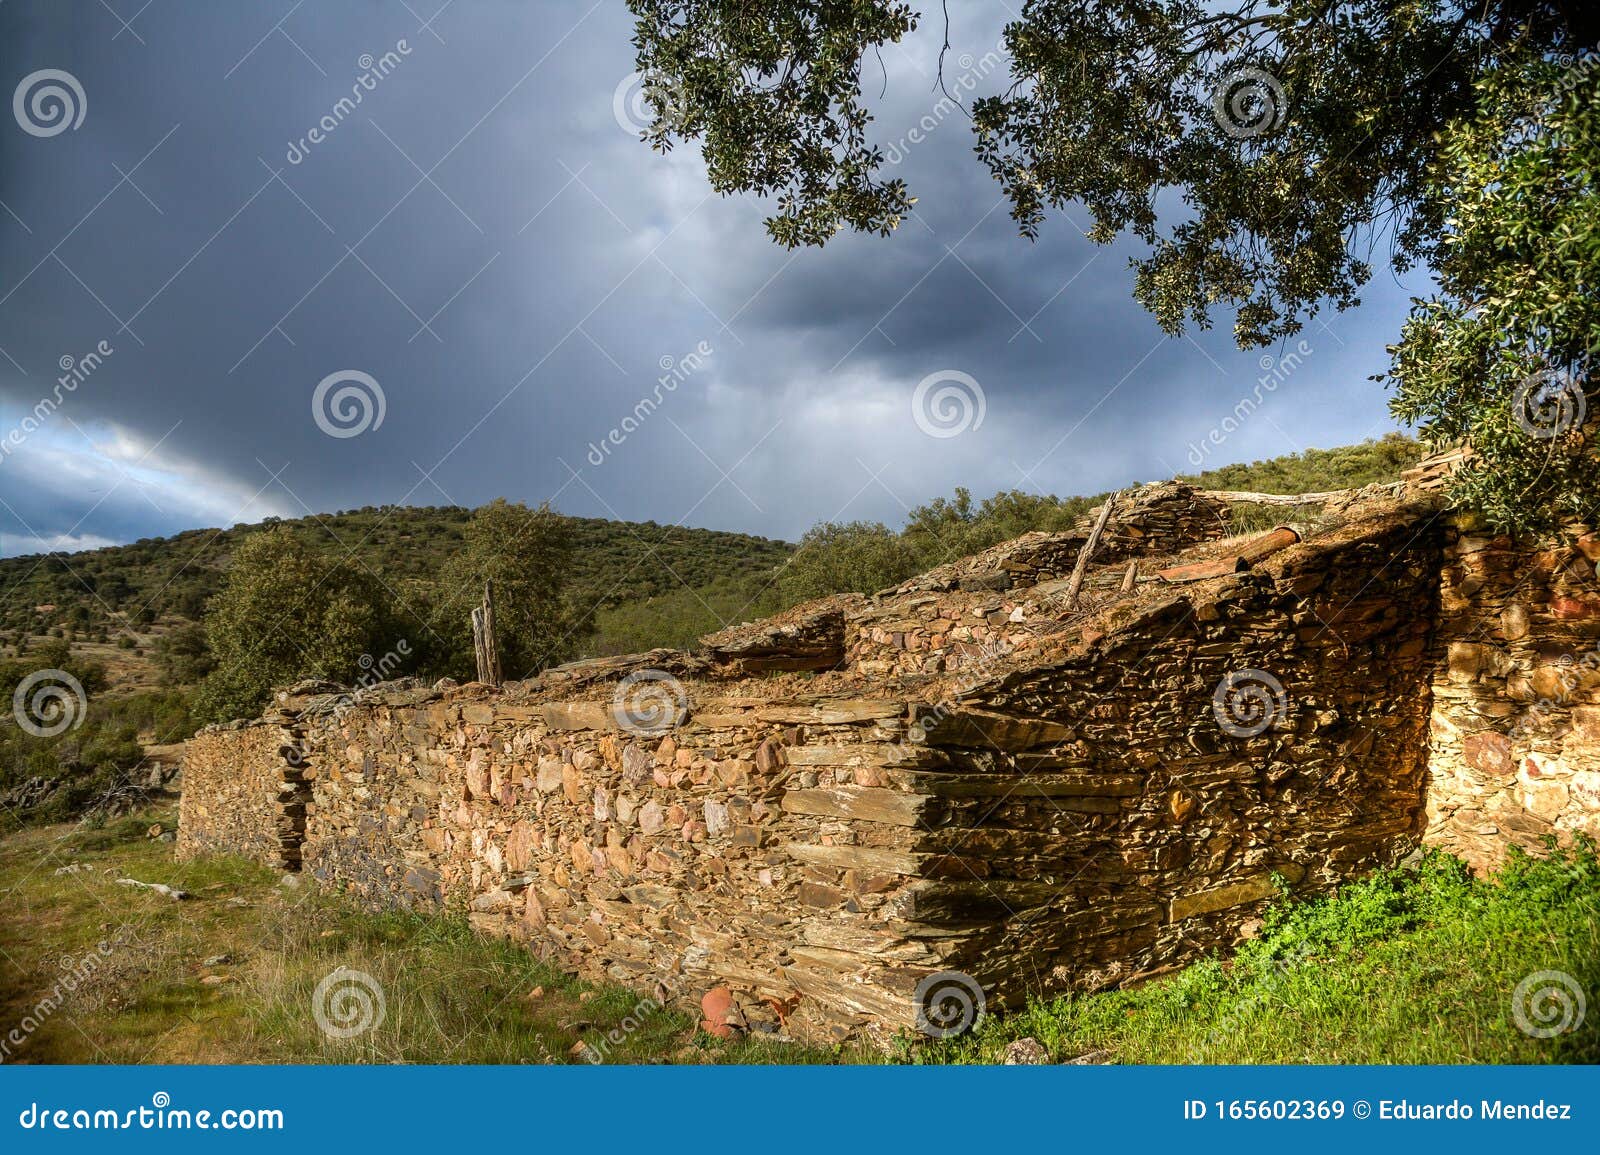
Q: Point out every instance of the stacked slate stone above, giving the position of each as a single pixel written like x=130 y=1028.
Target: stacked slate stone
x=810 y=816
x=244 y=793
x=1517 y=698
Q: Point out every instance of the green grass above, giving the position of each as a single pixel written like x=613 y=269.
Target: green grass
x=449 y=994
x=1407 y=966
x=1403 y=967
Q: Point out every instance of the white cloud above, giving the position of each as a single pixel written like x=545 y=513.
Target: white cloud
x=64 y=475
x=59 y=542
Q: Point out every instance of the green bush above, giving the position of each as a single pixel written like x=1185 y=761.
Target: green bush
x=526 y=554
x=864 y=557
x=92 y=757
x=183 y=656
x=288 y=612
x=680 y=618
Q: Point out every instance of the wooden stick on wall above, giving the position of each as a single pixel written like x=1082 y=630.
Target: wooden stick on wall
x=478 y=652
x=491 y=644
x=484 y=647
x=1075 y=582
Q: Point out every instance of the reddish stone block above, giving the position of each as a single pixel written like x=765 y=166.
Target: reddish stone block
x=717 y=1006
x=816 y=894
x=1488 y=753
x=1567 y=608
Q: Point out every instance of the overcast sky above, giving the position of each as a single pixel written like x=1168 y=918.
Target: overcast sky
x=493 y=272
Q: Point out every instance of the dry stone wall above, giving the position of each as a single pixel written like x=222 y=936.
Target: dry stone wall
x=1009 y=599
x=688 y=858
x=1516 y=724
x=1131 y=804
x=825 y=811
x=244 y=793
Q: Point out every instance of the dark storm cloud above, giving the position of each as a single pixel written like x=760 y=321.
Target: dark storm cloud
x=549 y=309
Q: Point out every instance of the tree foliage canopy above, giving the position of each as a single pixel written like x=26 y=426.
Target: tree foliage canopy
x=288 y=611
x=1297 y=132
x=835 y=557
x=525 y=553
x=1268 y=153
x=773 y=89
x=1503 y=355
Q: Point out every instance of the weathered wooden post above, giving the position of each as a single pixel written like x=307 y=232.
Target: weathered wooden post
x=484 y=647
x=1075 y=582
x=491 y=642
x=477 y=643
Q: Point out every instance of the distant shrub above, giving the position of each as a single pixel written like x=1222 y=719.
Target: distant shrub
x=183 y=656
x=860 y=556
x=287 y=612
x=526 y=554
x=680 y=618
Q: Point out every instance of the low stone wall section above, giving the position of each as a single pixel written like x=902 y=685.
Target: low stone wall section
x=1516 y=724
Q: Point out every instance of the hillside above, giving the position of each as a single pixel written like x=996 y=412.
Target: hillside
x=126 y=595
x=1315 y=470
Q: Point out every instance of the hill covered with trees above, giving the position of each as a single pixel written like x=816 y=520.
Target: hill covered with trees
x=1317 y=470
x=154 y=584
x=634 y=584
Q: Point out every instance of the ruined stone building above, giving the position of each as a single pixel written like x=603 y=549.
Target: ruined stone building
x=985 y=770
